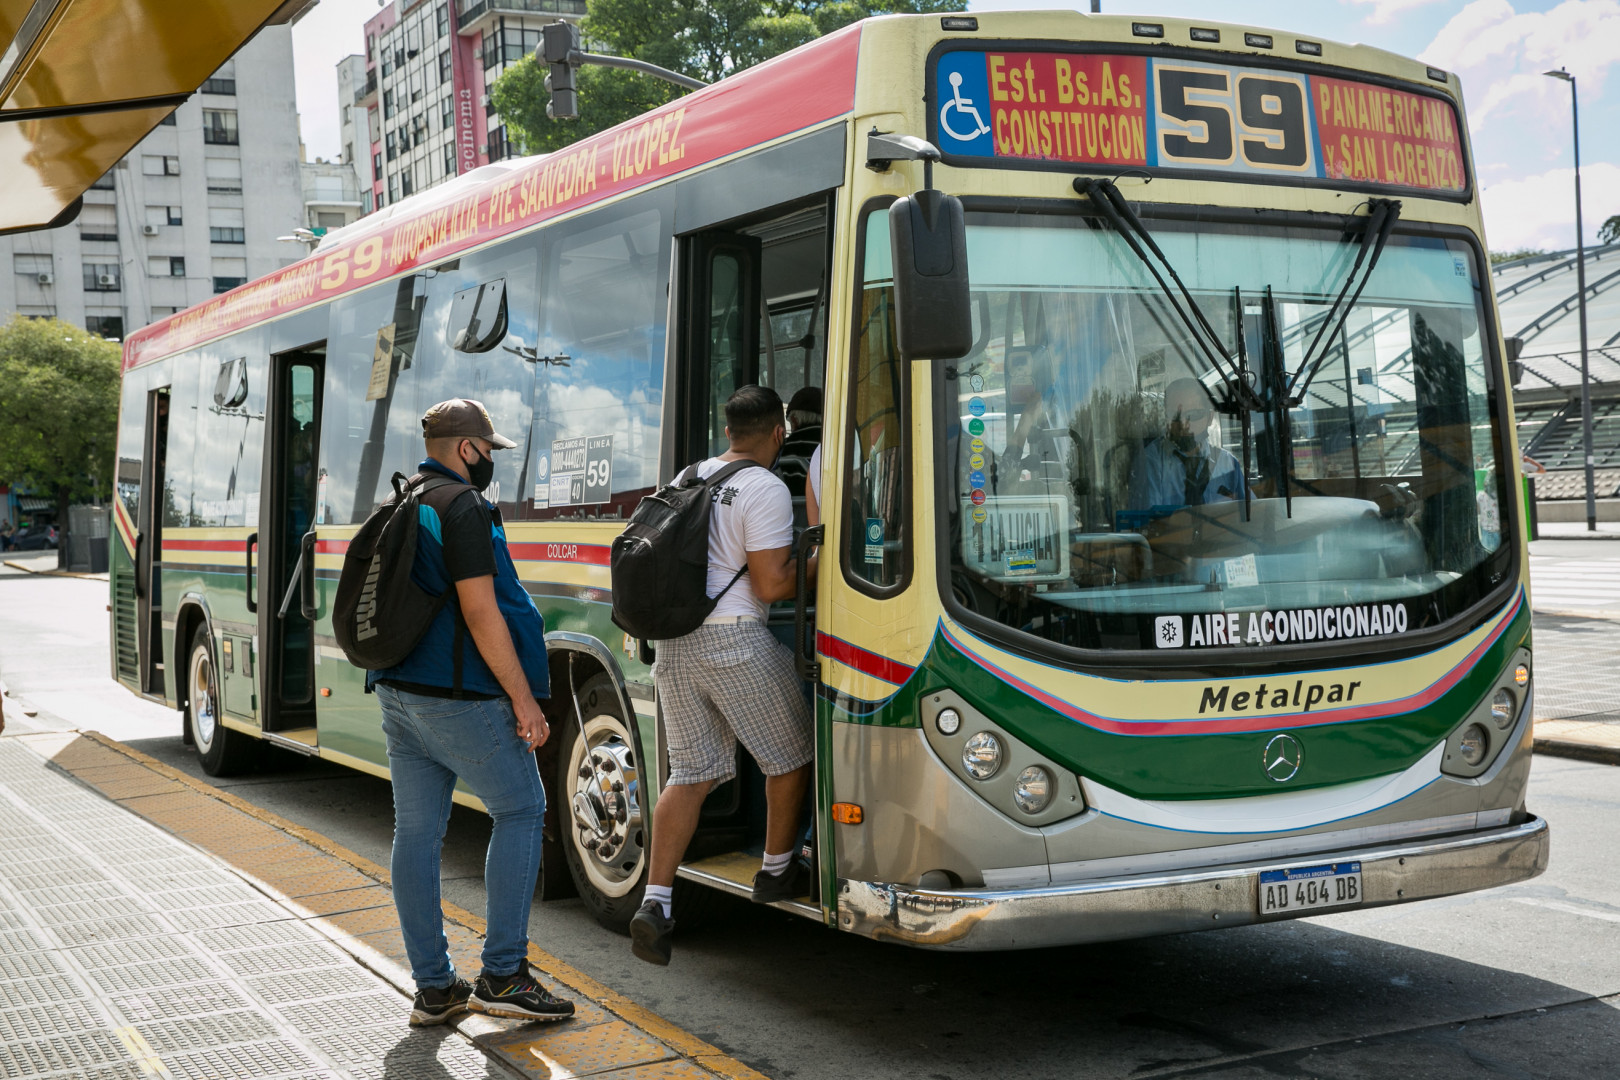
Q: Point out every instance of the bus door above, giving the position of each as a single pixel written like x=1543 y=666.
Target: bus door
x=149 y=543
x=289 y=591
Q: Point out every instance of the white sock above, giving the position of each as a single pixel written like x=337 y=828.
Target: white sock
x=775 y=864
x=664 y=894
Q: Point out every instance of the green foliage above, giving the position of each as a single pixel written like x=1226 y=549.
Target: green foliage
x=1609 y=231
x=58 y=408
x=1516 y=253
x=704 y=39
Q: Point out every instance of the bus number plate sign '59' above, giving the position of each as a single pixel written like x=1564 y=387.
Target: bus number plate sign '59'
x=1159 y=113
x=1309 y=889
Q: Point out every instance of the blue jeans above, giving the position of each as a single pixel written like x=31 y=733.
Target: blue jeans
x=431 y=742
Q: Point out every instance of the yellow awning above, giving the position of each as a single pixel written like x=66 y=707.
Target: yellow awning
x=82 y=81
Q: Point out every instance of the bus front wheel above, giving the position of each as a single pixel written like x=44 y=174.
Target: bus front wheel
x=605 y=835
x=223 y=751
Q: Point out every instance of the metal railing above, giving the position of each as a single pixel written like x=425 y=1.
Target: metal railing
x=470 y=11
x=367 y=88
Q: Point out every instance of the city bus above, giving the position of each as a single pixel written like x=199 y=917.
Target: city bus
x=1170 y=577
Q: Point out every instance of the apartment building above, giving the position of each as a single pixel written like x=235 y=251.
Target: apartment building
x=193 y=210
x=420 y=101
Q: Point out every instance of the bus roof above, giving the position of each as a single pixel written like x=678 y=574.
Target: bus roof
x=800 y=89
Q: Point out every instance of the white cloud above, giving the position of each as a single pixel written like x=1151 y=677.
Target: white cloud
x=1539 y=211
x=1500 y=53
x=1384 y=11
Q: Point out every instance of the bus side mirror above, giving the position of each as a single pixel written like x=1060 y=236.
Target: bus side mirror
x=928 y=241
x=928 y=246
x=1513 y=346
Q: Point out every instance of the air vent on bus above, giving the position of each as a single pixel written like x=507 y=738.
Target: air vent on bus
x=124 y=646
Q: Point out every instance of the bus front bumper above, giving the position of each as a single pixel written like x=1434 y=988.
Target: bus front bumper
x=1203 y=899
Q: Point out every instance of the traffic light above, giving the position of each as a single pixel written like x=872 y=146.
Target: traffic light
x=560 y=47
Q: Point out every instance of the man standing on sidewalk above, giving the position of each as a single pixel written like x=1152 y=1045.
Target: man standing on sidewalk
x=731 y=679
x=466 y=709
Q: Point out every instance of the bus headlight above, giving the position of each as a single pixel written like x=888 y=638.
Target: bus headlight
x=1474 y=744
x=1032 y=791
x=981 y=755
x=1502 y=709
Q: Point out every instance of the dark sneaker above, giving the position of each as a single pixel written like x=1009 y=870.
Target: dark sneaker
x=650 y=932
x=435 y=1005
x=518 y=996
x=792 y=883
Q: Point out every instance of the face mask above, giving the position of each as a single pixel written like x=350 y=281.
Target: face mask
x=480 y=472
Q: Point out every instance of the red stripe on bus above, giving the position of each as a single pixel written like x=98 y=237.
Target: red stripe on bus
x=589 y=554
x=331 y=547
x=206 y=545
x=862 y=660
x=1228 y=725
x=812 y=84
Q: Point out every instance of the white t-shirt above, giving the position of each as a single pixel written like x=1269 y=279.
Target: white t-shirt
x=815 y=475
x=752 y=512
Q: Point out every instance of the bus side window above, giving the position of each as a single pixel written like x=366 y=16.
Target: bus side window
x=875 y=534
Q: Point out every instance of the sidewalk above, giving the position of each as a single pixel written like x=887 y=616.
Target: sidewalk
x=1577 y=687
x=151 y=925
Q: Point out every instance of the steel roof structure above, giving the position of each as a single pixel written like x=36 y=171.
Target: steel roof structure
x=82 y=81
x=1537 y=298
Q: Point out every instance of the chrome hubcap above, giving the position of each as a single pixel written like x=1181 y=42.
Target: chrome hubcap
x=204 y=719
x=604 y=796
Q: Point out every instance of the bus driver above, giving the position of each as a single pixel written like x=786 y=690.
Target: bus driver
x=1181 y=467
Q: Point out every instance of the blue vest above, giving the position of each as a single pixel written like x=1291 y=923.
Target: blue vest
x=432 y=662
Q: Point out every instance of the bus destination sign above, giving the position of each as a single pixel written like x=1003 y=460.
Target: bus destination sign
x=1126 y=111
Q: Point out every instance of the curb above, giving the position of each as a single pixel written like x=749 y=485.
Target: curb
x=695 y=1050
x=15 y=565
x=1580 y=751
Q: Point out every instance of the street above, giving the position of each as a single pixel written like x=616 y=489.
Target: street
x=1517 y=982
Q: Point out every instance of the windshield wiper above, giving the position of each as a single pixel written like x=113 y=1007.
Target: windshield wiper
x=1105 y=196
x=1381 y=217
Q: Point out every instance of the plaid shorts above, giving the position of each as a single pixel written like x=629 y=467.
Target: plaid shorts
x=729 y=681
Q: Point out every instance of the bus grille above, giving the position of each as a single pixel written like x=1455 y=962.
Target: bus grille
x=124 y=646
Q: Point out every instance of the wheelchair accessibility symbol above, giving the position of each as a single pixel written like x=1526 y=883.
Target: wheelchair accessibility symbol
x=964 y=109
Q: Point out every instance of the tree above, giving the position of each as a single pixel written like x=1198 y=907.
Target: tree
x=58 y=409
x=1610 y=231
x=1517 y=253
x=704 y=39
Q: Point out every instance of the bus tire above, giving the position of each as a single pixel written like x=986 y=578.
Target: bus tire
x=223 y=752
x=588 y=810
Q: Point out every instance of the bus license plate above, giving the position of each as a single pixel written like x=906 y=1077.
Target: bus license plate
x=1309 y=889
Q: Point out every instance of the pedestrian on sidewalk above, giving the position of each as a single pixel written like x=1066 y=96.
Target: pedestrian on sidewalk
x=7 y=531
x=730 y=679
x=467 y=709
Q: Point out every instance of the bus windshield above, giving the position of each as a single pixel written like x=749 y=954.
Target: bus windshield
x=1105 y=491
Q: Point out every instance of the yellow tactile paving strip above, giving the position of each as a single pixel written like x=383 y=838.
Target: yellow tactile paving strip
x=611 y=1036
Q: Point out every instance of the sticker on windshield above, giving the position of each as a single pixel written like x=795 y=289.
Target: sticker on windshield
x=1225 y=629
x=1181 y=113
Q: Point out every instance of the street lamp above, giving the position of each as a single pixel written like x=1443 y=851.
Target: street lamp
x=1580 y=286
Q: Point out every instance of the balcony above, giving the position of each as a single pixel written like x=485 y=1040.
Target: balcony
x=366 y=90
x=470 y=12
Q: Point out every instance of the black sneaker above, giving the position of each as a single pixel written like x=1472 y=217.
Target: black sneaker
x=518 y=996
x=650 y=932
x=435 y=1005
x=792 y=883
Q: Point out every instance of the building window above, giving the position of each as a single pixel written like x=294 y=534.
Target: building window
x=449 y=114
x=450 y=160
x=444 y=19
x=98 y=221
x=167 y=121
x=217 y=85
x=498 y=150
x=103 y=182
x=376 y=163
x=444 y=66
x=166 y=266
x=388 y=141
x=405 y=186
x=101 y=277
x=224 y=176
x=163 y=215
x=153 y=165
x=371 y=48
x=110 y=327
x=388 y=104
x=225 y=234
x=219 y=127
x=226 y=284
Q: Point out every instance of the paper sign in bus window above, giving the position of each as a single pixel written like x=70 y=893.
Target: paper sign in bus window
x=581 y=471
x=1017 y=538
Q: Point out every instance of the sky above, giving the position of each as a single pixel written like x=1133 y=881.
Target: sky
x=1518 y=120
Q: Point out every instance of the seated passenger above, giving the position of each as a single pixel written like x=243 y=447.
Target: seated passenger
x=1032 y=462
x=1181 y=467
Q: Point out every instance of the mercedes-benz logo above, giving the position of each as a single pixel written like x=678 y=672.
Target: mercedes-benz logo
x=1282 y=758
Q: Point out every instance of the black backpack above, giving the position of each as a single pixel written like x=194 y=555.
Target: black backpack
x=660 y=562
x=379 y=614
